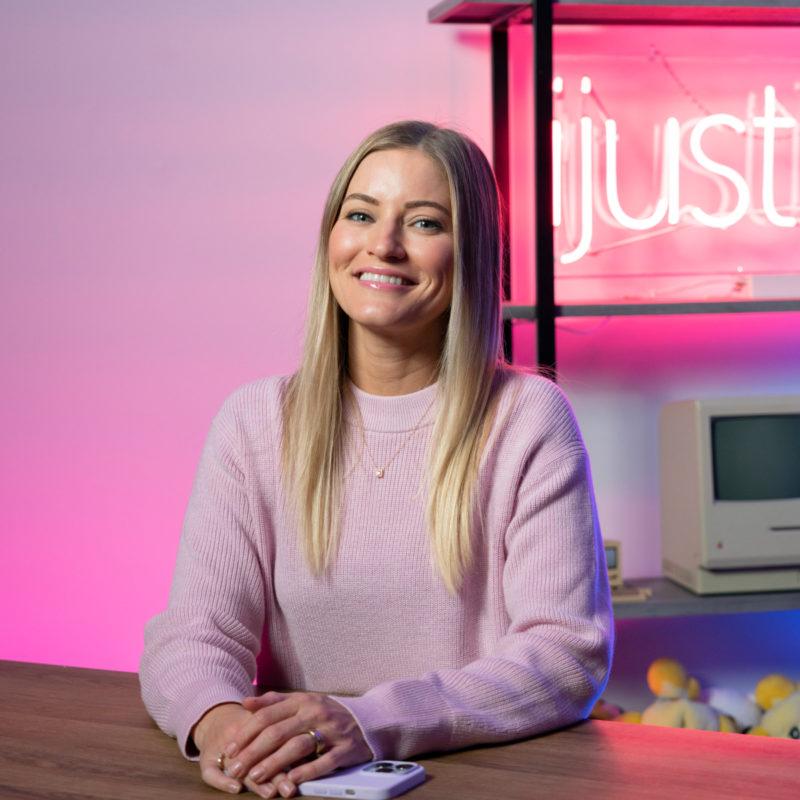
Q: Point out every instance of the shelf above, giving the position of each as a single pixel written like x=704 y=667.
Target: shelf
x=491 y=12
x=670 y=600
x=500 y=15
x=667 y=598
x=512 y=311
x=626 y=12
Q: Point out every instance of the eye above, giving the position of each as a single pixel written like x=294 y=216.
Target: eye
x=428 y=224
x=358 y=216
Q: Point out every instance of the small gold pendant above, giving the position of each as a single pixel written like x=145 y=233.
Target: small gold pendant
x=378 y=473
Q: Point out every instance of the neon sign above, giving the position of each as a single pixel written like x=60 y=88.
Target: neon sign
x=677 y=146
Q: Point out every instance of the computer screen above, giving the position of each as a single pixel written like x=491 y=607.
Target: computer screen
x=756 y=457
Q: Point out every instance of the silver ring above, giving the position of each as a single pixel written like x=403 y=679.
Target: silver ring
x=319 y=742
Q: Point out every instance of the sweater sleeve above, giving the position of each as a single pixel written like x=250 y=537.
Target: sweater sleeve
x=552 y=662
x=202 y=650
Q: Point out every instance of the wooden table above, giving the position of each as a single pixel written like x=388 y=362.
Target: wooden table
x=77 y=734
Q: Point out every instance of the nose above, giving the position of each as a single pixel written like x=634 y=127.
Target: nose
x=386 y=242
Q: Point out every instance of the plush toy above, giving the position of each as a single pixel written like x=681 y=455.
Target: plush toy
x=780 y=699
x=774 y=709
x=676 y=704
x=734 y=704
x=630 y=716
x=772 y=689
x=668 y=680
x=781 y=720
x=604 y=710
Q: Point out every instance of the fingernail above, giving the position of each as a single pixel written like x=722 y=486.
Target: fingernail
x=230 y=750
x=256 y=774
x=286 y=788
x=233 y=788
x=235 y=770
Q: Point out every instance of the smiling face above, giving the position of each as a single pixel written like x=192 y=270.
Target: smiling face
x=391 y=248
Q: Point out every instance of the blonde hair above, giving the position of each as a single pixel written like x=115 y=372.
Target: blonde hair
x=312 y=454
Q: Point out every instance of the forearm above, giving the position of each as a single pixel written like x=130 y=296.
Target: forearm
x=517 y=693
x=185 y=671
x=201 y=652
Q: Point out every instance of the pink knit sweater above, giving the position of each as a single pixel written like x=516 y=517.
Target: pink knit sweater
x=524 y=647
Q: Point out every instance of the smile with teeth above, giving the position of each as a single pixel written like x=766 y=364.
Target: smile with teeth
x=374 y=277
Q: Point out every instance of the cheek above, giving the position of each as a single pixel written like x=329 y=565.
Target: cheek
x=449 y=288
x=341 y=246
x=435 y=260
x=447 y=268
x=451 y=277
x=336 y=281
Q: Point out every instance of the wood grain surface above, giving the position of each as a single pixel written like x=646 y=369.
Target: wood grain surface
x=78 y=734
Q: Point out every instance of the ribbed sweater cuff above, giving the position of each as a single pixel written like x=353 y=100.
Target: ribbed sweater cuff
x=372 y=725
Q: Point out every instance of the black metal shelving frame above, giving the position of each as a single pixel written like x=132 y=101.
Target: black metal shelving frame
x=500 y=15
x=666 y=599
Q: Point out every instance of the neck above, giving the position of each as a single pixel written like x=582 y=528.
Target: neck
x=383 y=366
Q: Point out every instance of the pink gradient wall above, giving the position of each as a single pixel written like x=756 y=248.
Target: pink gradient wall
x=163 y=168
x=162 y=171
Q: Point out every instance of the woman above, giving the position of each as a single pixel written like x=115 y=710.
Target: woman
x=404 y=531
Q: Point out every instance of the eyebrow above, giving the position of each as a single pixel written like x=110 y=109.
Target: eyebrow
x=365 y=198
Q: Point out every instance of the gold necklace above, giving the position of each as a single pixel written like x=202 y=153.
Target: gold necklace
x=381 y=471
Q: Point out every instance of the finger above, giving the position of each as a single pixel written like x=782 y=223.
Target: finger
x=260 y=701
x=281 y=785
x=275 y=748
x=318 y=767
x=261 y=719
x=349 y=751
x=211 y=774
x=266 y=790
x=297 y=748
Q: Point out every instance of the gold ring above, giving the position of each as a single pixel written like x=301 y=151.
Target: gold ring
x=319 y=742
x=221 y=761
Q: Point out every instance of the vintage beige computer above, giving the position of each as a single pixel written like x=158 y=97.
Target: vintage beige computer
x=730 y=494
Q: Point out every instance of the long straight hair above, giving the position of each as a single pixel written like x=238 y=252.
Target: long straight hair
x=312 y=450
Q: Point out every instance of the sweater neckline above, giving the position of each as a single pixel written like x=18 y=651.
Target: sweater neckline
x=391 y=413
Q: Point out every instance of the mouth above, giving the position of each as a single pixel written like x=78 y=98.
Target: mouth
x=378 y=277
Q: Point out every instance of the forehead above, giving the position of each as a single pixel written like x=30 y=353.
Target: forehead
x=401 y=172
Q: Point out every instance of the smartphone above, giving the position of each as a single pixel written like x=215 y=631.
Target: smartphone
x=376 y=780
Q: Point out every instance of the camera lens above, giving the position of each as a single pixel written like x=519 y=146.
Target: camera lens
x=404 y=767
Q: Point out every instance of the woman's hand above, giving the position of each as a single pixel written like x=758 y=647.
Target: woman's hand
x=216 y=728
x=269 y=753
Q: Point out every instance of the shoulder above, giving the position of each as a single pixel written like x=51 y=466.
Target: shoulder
x=258 y=392
x=253 y=405
x=533 y=398
x=532 y=415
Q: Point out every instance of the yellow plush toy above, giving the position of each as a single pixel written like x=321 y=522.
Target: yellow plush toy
x=676 y=705
x=772 y=690
x=780 y=699
x=774 y=709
